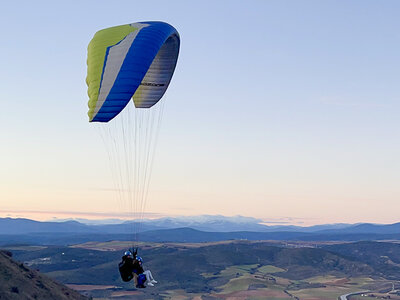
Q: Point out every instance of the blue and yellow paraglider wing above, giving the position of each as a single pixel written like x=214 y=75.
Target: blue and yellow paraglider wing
x=129 y=61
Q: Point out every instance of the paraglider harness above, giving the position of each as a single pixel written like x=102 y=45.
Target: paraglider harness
x=128 y=266
x=141 y=280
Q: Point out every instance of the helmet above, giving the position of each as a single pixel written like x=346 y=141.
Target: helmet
x=127 y=253
x=138 y=258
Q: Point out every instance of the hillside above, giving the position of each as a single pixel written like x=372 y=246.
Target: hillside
x=19 y=282
x=385 y=257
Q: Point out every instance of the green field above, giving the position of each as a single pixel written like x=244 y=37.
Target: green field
x=270 y=269
x=260 y=282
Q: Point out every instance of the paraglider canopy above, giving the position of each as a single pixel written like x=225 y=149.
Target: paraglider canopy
x=134 y=61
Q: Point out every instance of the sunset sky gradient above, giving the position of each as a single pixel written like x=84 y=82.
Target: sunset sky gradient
x=288 y=111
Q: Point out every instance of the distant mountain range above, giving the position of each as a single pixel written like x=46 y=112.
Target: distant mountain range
x=186 y=229
x=212 y=223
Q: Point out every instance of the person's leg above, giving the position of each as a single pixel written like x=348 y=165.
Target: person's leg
x=151 y=277
x=148 y=275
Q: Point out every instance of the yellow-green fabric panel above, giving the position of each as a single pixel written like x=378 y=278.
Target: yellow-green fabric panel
x=137 y=97
x=96 y=57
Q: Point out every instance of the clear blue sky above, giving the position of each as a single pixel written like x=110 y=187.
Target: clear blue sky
x=283 y=110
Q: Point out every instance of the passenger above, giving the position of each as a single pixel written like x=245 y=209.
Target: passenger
x=149 y=277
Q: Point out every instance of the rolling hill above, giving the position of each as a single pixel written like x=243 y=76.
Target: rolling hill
x=19 y=282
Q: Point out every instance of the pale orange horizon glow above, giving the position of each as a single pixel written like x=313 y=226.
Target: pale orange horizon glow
x=63 y=215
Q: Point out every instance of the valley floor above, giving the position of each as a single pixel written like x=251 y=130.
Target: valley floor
x=231 y=270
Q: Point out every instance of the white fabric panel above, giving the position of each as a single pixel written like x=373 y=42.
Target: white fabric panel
x=116 y=57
